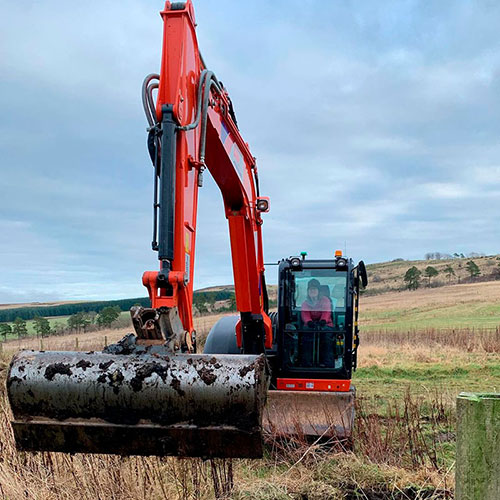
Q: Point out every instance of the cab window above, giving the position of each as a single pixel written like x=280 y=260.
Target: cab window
x=315 y=334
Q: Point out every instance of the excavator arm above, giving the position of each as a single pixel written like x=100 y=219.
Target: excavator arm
x=149 y=394
x=193 y=128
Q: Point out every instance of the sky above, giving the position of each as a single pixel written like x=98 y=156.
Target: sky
x=375 y=126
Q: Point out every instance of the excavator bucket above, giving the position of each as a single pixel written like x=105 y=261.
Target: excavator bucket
x=326 y=417
x=138 y=404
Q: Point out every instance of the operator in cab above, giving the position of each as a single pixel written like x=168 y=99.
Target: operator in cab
x=317 y=308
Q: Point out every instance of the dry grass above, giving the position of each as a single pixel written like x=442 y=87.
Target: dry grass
x=436 y=340
x=403 y=450
x=487 y=292
x=82 y=341
x=95 y=340
x=404 y=441
x=39 y=304
x=294 y=470
x=389 y=275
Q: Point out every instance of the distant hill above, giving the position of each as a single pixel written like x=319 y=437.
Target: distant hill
x=389 y=276
x=384 y=277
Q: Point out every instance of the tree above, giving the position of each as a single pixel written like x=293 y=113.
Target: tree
x=412 y=278
x=448 y=270
x=42 y=326
x=58 y=327
x=431 y=272
x=19 y=327
x=473 y=269
x=78 y=321
x=495 y=273
x=5 y=329
x=108 y=315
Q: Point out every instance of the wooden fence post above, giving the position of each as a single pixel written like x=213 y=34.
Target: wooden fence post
x=76 y=343
x=477 y=472
x=105 y=341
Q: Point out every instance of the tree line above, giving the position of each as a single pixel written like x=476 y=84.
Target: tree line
x=85 y=317
x=448 y=256
x=8 y=315
x=413 y=275
x=79 y=321
x=28 y=313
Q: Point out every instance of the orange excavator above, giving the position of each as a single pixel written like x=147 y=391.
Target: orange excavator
x=151 y=394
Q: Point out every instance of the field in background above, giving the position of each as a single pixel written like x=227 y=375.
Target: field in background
x=60 y=322
x=471 y=305
x=418 y=350
x=468 y=305
x=404 y=443
x=38 y=304
x=388 y=276
x=94 y=340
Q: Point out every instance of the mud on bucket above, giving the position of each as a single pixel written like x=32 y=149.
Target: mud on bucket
x=141 y=404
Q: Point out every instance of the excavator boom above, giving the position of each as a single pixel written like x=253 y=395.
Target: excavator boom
x=150 y=394
x=193 y=128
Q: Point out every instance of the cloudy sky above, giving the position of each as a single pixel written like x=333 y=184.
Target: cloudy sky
x=376 y=126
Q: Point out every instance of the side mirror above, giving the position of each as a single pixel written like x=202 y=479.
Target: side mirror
x=362 y=273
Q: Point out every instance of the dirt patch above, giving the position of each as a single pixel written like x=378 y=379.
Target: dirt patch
x=83 y=364
x=57 y=368
x=176 y=384
x=207 y=375
x=146 y=371
x=105 y=366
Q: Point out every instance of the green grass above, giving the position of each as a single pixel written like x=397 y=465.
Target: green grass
x=471 y=315
x=384 y=388
x=30 y=325
x=423 y=378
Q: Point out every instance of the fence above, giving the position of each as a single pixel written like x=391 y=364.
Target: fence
x=466 y=339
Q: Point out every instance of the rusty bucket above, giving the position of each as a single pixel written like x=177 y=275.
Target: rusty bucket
x=311 y=415
x=140 y=404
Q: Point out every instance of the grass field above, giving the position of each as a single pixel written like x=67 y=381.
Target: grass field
x=58 y=322
x=475 y=305
x=418 y=351
x=387 y=276
x=404 y=437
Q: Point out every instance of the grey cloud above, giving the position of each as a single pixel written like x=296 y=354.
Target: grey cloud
x=374 y=124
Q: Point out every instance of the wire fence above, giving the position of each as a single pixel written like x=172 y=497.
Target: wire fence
x=467 y=339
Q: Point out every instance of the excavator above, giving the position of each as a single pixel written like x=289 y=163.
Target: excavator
x=151 y=393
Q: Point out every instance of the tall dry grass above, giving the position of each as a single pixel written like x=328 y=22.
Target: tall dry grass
x=401 y=451
x=466 y=339
x=96 y=340
x=47 y=476
x=54 y=476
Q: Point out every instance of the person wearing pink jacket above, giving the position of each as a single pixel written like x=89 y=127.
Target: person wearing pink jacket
x=316 y=308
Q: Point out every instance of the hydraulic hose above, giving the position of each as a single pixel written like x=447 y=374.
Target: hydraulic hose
x=147 y=97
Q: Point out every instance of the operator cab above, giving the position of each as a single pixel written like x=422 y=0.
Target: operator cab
x=316 y=333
